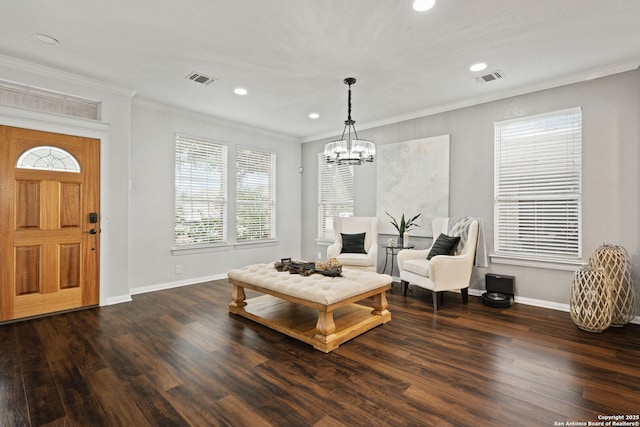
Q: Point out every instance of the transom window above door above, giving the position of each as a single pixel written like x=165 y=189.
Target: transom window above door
x=48 y=158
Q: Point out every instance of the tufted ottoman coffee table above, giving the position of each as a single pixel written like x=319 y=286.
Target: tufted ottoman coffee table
x=316 y=309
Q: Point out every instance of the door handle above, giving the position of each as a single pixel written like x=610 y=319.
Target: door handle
x=92 y=231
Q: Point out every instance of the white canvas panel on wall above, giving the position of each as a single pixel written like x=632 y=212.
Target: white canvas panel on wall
x=412 y=178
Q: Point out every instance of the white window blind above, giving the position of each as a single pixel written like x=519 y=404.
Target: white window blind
x=201 y=192
x=335 y=195
x=255 y=195
x=538 y=186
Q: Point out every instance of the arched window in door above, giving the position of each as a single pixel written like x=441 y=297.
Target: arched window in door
x=48 y=158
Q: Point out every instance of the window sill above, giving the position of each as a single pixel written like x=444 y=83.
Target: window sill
x=537 y=263
x=255 y=244
x=324 y=242
x=200 y=249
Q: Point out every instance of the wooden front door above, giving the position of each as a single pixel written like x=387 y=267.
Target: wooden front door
x=49 y=222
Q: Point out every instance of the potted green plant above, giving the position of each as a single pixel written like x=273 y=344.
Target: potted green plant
x=403 y=227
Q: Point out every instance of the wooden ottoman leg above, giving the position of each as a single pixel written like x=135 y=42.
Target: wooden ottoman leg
x=237 y=297
x=325 y=325
x=380 y=304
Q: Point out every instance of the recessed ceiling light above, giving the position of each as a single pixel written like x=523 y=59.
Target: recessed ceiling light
x=423 y=5
x=43 y=38
x=478 y=67
x=314 y=116
x=240 y=91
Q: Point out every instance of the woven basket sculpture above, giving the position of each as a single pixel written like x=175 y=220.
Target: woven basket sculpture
x=590 y=303
x=617 y=265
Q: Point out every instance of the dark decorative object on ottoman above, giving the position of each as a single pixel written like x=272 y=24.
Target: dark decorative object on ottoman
x=330 y=268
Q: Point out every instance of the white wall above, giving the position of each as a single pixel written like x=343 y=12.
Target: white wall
x=611 y=156
x=153 y=266
x=137 y=169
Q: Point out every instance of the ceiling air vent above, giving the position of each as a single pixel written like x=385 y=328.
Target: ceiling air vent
x=201 y=78
x=496 y=75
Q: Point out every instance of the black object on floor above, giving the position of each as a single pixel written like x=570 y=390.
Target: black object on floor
x=500 y=290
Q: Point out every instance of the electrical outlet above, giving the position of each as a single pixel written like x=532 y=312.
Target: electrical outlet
x=178 y=269
x=319 y=255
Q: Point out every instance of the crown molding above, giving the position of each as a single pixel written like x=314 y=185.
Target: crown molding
x=582 y=76
x=43 y=70
x=159 y=106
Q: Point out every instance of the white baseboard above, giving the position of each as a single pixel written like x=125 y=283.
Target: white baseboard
x=476 y=292
x=118 y=300
x=541 y=303
x=176 y=284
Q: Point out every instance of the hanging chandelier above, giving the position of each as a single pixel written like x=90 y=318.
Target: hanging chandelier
x=349 y=151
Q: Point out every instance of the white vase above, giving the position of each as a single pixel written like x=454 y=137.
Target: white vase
x=405 y=240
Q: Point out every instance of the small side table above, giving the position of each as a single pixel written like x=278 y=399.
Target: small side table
x=392 y=251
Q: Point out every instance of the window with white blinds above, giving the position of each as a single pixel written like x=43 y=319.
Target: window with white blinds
x=201 y=192
x=335 y=195
x=538 y=187
x=255 y=195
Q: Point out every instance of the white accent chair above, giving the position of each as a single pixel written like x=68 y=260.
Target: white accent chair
x=354 y=225
x=442 y=272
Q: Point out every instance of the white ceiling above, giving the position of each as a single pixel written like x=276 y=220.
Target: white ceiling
x=292 y=55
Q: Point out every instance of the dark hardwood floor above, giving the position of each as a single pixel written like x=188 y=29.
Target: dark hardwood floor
x=177 y=358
